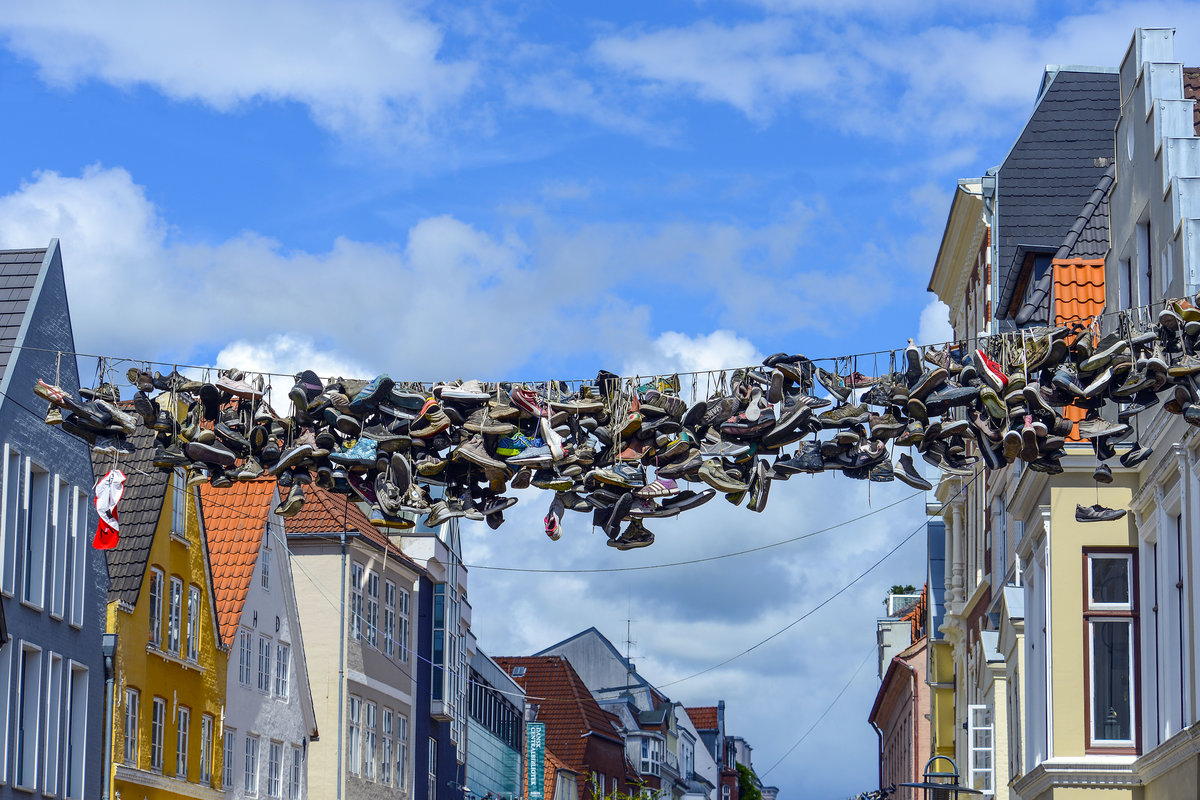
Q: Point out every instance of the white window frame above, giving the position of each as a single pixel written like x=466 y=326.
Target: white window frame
x=193 y=623
x=431 y=763
x=283 y=664
x=981 y=762
x=37 y=534
x=385 y=747
x=52 y=724
x=156 y=600
x=206 y=748
x=371 y=612
x=175 y=616
x=245 y=656
x=369 y=739
x=250 y=773
x=10 y=520
x=389 y=618
x=228 y=737
x=133 y=710
x=401 y=751
x=296 y=774
x=75 y=761
x=158 y=724
x=6 y=699
x=27 y=755
x=79 y=555
x=354 y=734
x=1108 y=613
x=274 y=768
x=265 y=565
x=183 y=732
x=402 y=631
x=356 y=599
x=60 y=522
x=264 y=664
x=178 y=504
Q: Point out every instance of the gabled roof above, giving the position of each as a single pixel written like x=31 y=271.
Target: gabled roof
x=138 y=514
x=325 y=512
x=656 y=696
x=565 y=705
x=703 y=717
x=235 y=520
x=19 y=271
x=1055 y=163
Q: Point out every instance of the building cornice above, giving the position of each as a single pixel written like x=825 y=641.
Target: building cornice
x=1088 y=772
x=171 y=786
x=1176 y=750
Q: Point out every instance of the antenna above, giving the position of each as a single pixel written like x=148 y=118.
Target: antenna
x=629 y=643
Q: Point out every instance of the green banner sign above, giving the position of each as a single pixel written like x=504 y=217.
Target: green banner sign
x=535 y=764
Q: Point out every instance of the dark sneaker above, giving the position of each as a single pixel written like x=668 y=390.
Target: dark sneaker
x=1136 y=455
x=1104 y=352
x=882 y=472
x=1103 y=474
x=1066 y=380
x=844 y=416
x=834 y=383
x=906 y=472
x=291 y=505
x=760 y=486
x=476 y=452
x=622 y=474
x=115 y=444
x=370 y=395
x=927 y=383
x=885 y=426
x=912 y=357
x=914 y=434
x=290 y=458
x=688 y=499
x=617 y=514
x=210 y=453
x=1098 y=513
x=635 y=536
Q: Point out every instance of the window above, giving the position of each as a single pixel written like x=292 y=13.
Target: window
x=372 y=612
x=174 y=616
x=385 y=749
x=52 y=708
x=274 y=768
x=282 y=667
x=245 y=639
x=193 y=625
x=250 y=776
x=131 y=726
x=178 y=504
x=401 y=751
x=158 y=721
x=354 y=720
x=1109 y=617
x=61 y=546
x=402 y=629
x=10 y=518
x=651 y=756
x=183 y=722
x=76 y=738
x=432 y=778
x=369 y=743
x=979 y=744
x=389 y=618
x=265 y=565
x=156 y=606
x=264 y=664
x=206 y=748
x=227 y=755
x=28 y=702
x=79 y=554
x=356 y=600
x=724 y=793
x=1144 y=266
x=294 y=780
x=37 y=532
x=1124 y=284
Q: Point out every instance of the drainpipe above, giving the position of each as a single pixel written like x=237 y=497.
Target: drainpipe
x=341 y=667
x=879 y=733
x=108 y=646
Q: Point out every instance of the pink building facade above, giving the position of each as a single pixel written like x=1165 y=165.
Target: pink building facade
x=898 y=717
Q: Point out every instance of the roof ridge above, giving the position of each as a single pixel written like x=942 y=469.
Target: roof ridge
x=1089 y=208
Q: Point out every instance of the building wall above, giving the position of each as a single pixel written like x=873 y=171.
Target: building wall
x=75 y=636
x=155 y=672
x=492 y=766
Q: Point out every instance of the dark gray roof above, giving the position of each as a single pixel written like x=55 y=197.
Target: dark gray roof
x=1062 y=153
x=18 y=274
x=138 y=513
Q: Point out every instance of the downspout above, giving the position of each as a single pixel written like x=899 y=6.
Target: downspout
x=341 y=667
x=106 y=777
x=879 y=733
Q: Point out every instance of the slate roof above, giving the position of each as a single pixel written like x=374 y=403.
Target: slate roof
x=1053 y=167
x=138 y=513
x=1191 y=91
x=703 y=717
x=18 y=274
x=234 y=522
x=568 y=708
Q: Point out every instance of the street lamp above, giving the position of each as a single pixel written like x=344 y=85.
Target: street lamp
x=941 y=785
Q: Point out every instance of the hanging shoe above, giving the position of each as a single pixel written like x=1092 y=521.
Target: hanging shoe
x=1098 y=513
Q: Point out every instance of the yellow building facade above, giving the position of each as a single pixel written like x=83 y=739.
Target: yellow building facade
x=170 y=665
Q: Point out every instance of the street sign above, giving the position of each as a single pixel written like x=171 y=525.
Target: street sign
x=535 y=764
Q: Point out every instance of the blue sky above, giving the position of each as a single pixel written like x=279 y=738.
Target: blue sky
x=535 y=189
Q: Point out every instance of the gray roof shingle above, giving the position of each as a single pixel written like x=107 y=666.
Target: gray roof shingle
x=18 y=274
x=138 y=513
x=1052 y=169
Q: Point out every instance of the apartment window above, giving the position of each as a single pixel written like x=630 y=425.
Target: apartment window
x=356 y=600
x=264 y=664
x=651 y=756
x=402 y=636
x=79 y=554
x=372 y=610
x=76 y=738
x=979 y=743
x=1109 y=618
x=183 y=724
x=294 y=779
x=37 y=532
x=10 y=518
x=354 y=733
x=245 y=650
x=206 y=748
x=401 y=751
x=227 y=758
x=132 y=699
x=265 y=566
x=274 y=768
x=385 y=748
x=28 y=702
x=369 y=733
x=282 y=667
x=389 y=618
x=52 y=705
x=724 y=793
x=61 y=524
x=174 y=616
x=1124 y=284
x=158 y=721
x=432 y=777
x=250 y=775
x=178 y=504
x=193 y=625
x=1144 y=265
x=156 y=606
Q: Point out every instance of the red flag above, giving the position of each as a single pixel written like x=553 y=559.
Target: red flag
x=108 y=493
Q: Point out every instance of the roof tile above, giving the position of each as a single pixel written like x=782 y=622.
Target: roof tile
x=703 y=717
x=234 y=522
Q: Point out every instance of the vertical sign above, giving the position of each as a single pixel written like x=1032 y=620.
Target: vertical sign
x=535 y=765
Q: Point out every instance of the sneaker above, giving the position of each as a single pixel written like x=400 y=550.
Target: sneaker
x=1103 y=474
x=635 y=536
x=845 y=415
x=528 y=401
x=210 y=453
x=476 y=452
x=363 y=453
x=616 y=515
x=289 y=458
x=1136 y=455
x=906 y=472
x=538 y=456
x=1098 y=513
x=553 y=519
x=291 y=505
x=621 y=474
x=512 y=445
x=715 y=475
x=760 y=487
x=991 y=372
x=1097 y=427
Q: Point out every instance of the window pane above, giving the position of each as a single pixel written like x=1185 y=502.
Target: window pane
x=1110 y=580
x=1111 y=709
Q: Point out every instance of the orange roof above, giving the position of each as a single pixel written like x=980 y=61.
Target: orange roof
x=551 y=766
x=1078 y=289
x=327 y=512
x=703 y=717
x=234 y=522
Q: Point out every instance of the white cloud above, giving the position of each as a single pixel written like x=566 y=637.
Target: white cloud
x=360 y=67
x=935 y=324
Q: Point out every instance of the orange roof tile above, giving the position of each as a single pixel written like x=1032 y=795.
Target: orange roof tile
x=327 y=512
x=703 y=717
x=1078 y=289
x=234 y=522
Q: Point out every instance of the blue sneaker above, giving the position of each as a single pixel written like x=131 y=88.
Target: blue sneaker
x=361 y=454
x=512 y=445
x=377 y=389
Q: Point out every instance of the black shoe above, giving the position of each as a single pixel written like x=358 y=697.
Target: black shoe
x=907 y=473
x=1136 y=455
x=1098 y=513
x=1103 y=474
x=616 y=515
